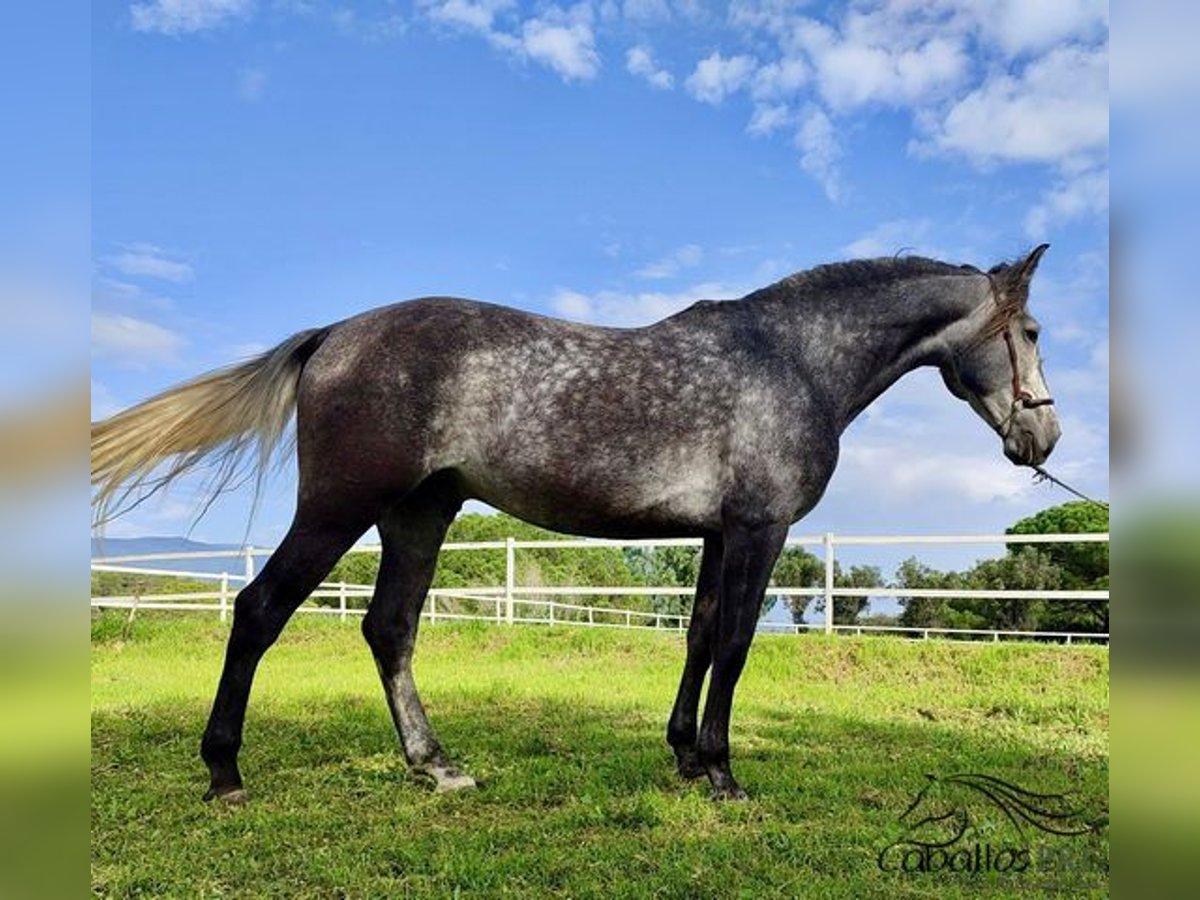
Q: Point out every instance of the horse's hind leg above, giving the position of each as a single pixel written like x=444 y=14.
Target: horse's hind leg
x=312 y=545
x=681 y=729
x=411 y=534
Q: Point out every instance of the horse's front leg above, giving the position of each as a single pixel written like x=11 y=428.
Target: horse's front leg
x=681 y=729
x=749 y=556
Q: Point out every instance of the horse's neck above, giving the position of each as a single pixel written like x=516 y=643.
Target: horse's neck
x=855 y=347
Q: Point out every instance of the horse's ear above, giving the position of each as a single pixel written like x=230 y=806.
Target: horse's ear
x=1023 y=273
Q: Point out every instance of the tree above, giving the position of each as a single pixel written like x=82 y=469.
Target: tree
x=926 y=612
x=1083 y=566
x=846 y=610
x=1027 y=569
x=674 y=566
x=796 y=567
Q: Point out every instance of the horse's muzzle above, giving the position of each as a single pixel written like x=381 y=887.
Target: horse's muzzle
x=1031 y=446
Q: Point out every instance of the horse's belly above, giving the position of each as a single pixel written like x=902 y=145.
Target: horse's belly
x=581 y=499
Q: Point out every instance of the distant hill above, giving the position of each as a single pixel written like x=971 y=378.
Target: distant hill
x=110 y=546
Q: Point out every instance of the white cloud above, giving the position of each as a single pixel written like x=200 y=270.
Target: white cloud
x=251 y=83
x=852 y=69
x=909 y=472
x=773 y=16
x=176 y=17
x=685 y=257
x=1043 y=101
x=780 y=79
x=561 y=39
x=646 y=10
x=132 y=343
x=640 y=62
x=569 y=48
x=471 y=15
x=890 y=238
x=820 y=151
x=1028 y=25
x=370 y=30
x=916 y=450
x=1055 y=111
x=114 y=289
x=149 y=261
x=103 y=402
x=769 y=119
x=572 y=304
x=1078 y=195
x=620 y=308
x=716 y=77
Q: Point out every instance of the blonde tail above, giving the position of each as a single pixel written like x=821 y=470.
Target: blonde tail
x=222 y=416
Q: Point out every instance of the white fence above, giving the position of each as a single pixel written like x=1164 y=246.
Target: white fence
x=512 y=603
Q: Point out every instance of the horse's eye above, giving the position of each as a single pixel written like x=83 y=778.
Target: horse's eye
x=1032 y=334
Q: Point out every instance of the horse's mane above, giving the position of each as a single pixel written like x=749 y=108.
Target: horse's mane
x=863 y=274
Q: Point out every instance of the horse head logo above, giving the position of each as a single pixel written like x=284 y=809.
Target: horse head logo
x=946 y=806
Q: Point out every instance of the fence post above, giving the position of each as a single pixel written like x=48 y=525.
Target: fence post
x=342 y=599
x=509 y=578
x=224 y=596
x=551 y=605
x=828 y=542
x=248 y=564
x=432 y=609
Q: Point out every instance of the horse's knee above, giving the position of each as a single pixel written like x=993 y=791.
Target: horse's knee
x=386 y=636
x=681 y=733
x=375 y=631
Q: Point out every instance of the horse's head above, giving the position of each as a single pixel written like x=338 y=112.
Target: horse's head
x=995 y=366
x=935 y=817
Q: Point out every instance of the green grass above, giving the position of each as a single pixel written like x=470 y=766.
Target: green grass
x=564 y=729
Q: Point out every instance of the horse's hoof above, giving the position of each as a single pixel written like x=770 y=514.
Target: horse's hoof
x=231 y=796
x=729 y=792
x=689 y=767
x=448 y=778
x=457 y=782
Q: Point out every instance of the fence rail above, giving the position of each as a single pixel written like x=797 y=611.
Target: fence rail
x=513 y=603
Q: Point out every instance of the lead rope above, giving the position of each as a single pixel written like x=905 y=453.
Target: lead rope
x=1041 y=475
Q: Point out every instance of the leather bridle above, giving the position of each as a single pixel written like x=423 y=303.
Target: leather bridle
x=1022 y=399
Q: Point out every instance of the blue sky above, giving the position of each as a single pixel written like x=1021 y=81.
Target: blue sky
x=262 y=167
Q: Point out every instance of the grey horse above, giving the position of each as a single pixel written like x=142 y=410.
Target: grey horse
x=720 y=422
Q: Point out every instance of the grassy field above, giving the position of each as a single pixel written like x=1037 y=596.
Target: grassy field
x=564 y=729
